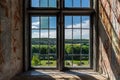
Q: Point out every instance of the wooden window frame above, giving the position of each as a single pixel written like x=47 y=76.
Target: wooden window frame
x=60 y=11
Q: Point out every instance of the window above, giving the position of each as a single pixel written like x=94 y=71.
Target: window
x=60 y=33
x=77 y=39
x=43 y=41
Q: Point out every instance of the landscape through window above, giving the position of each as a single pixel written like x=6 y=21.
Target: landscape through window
x=77 y=39
x=43 y=41
x=62 y=38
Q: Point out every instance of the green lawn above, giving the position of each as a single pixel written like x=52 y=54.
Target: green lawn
x=46 y=63
x=76 y=63
x=68 y=63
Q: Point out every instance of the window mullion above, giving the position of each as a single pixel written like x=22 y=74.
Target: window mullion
x=72 y=40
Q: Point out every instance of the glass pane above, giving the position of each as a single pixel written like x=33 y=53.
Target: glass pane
x=76 y=22
x=52 y=34
x=85 y=53
x=76 y=3
x=76 y=49
x=35 y=23
x=44 y=53
x=44 y=33
x=35 y=47
x=85 y=3
x=68 y=3
x=68 y=21
x=35 y=3
x=68 y=60
x=52 y=50
x=77 y=41
x=85 y=22
x=76 y=61
x=85 y=34
x=52 y=3
x=76 y=34
x=35 y=34
x=68 y=34
x=43 y=3
x=85 y=48
x=43 y=42
x=52 y=21
x=44 y=22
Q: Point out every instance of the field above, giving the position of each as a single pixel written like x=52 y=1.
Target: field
x=47 y=61
x=44 y=55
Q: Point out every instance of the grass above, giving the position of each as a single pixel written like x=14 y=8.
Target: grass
x=77 y=63
x=46 y=63
x=53 y=63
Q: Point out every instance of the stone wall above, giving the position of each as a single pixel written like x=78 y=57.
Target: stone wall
x=109 y=38
x=10 y=38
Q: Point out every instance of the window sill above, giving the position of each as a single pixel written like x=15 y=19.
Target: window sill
x=56 y=75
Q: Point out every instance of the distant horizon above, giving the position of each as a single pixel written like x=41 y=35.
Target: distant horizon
x=53 y=38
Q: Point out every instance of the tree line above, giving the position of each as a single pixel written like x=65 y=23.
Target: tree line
x=69 y=49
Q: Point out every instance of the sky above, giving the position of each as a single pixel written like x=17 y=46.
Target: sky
x=45 y=21
x=68 y=3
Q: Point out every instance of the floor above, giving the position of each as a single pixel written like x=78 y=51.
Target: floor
x=56 y=75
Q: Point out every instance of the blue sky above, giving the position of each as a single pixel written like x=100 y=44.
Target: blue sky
x=43 y=21
x=68 y=3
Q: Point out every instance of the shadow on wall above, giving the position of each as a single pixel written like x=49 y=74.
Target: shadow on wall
x=111 y=45
x=113 y=61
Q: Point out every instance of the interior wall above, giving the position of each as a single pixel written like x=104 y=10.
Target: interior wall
x=109 y=38
x=10 y=38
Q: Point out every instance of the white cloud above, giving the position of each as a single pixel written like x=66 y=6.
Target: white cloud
x=35 y=23
x=44 y=34
x=35 y=34
x=85 y=24
x=68 y=33
x=34 y=27
x=53 y=34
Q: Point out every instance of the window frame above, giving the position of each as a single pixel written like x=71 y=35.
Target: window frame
x=30 y=20
x=61 y=11
x=90 y=42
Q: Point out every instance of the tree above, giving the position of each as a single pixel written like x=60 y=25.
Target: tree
x=35 y=60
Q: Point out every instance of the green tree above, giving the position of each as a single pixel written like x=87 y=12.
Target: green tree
x=35 y=60
x=68 y=49
x=85 y=49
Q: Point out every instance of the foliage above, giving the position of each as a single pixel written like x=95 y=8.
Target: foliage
x=69 y=48
x=52 y=41
x=40 y=47
x=35 y=60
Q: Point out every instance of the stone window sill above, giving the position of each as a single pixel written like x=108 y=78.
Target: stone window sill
x=56 y=75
